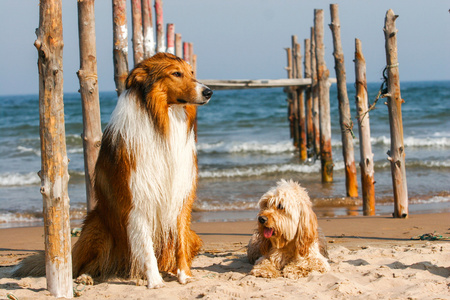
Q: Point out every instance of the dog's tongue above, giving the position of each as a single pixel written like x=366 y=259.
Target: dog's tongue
x=268 y=232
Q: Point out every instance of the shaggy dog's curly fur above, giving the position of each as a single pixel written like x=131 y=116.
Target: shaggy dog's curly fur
x=287 y=241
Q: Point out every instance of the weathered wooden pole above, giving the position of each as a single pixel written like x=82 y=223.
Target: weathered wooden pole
x=308 y=100
x=147 y=25
x=138 y=37
x=191 y=53
x=362 y=111
x=326 y=156
x=178 y=45
x=120 y=41
x=291 y=111
x=315 y=96
x=194 y=64
x=301 y=105
x=54 y=162
x=345 y=119
x=186 y=53
x=92 y=128
x=396 y=155
x=160 y=43
x=294 y=94
x=171 y=38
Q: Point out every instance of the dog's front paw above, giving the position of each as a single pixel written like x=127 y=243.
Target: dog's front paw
x=84 y=279
x=265 y=271
x=155 y=281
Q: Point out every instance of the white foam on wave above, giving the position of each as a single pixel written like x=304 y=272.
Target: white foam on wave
x=436 y=142
x=247 y=147
x=435 y=199
x=26 y=150
x=18 y=179
x=9 y=218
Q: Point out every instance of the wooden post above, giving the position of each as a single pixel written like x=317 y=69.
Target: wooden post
x=326 y=156
x=92 y=128
x=194 y=64
x=186 y=53
x=178 y=45
x=308 y=96
x=362 y=110
x=396 y=155
x=160 y=43
x=54 y=162
x=191 y=53
x=315 y=96
x=138 y=38
x=171 y=38
x=120 y=52
x=147 y=24
x=345 y=119
x=294 y=94
x=287 y=90
x=301 y=105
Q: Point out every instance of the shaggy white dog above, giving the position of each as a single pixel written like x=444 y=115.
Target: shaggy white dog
x=287 y=240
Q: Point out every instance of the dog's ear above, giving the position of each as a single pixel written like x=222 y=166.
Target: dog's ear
x=138 y=77
x=307 y=229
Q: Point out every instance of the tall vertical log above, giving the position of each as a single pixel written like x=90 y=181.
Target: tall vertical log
x=291 y=110
x=92 y=128
x=171 y=38
x=160 y=43
x=120 y=40
x=362 y=110
x=326 y=156
x=194 y=64
x=138 y=37
x=301 y=105
x=147 y=24
x=308 y=100
x=315 y=95
x=178 y=45
x=191 y=53
x=294 y=94
x=396 y=155
x=345 y=119
x=54 y=162
x=186 y=53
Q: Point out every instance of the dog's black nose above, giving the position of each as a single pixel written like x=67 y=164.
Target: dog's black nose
x=207 y=93
x=262 y=219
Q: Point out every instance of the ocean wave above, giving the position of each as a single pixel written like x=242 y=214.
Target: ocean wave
x=246 y=147
x=18 y=179
x=11 y=218
x=436 y=142
x=28 y=150
x=252 y=171
x=434 y=199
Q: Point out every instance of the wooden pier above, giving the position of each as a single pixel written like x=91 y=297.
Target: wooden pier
x=236 y=84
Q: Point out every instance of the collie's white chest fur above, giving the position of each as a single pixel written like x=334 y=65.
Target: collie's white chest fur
x=165 y=169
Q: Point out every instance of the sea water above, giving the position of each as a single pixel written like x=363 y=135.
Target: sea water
x=244 y=148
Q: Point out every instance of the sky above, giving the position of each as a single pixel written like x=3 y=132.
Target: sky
x=239 y=39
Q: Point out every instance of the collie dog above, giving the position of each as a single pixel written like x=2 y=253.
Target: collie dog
x=145 y=179
x=287 y=241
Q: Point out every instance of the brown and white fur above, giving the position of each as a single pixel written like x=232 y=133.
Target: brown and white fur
x=145 y=179
x=286 y=242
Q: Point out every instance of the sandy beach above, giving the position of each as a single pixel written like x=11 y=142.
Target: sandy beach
x=370 y=257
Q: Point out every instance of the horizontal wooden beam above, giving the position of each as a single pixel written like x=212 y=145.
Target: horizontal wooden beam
x=235 y=84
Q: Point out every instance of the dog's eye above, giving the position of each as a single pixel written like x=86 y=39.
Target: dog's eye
x=177 y=74
x=280 y=207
